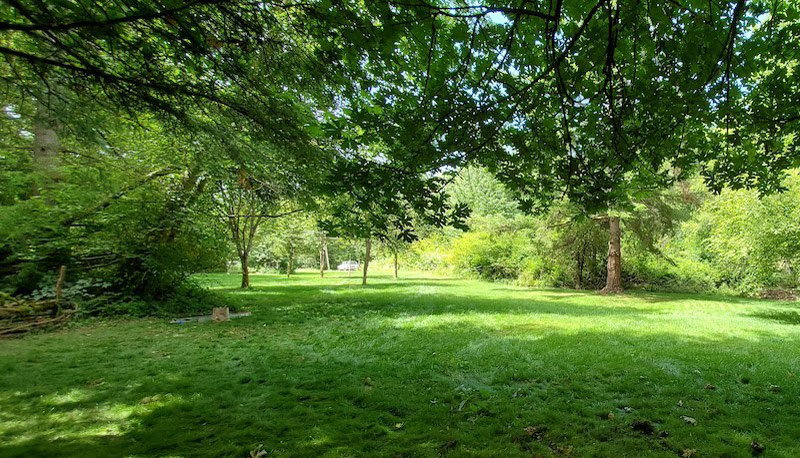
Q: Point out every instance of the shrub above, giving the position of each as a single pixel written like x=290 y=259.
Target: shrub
x=430 y=254
x=189 y=299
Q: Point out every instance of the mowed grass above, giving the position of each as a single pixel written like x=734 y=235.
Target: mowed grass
x=422 y=367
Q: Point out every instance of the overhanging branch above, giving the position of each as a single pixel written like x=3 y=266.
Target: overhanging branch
x=56 y=27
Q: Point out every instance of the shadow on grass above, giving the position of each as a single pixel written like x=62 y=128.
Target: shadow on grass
x=646 y=296
x=779 y=316
x=347 y=394
x=319 y=374
x=407 y=298
x=382 y=281
x=367 y=393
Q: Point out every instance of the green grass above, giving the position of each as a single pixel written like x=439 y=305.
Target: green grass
x=417 y=367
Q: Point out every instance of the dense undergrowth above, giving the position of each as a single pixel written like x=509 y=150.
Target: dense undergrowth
x=686 y=239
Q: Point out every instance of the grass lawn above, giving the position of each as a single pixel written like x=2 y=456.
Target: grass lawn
x=417 y=367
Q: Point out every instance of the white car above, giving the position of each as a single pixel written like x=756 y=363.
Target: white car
x=348 y=266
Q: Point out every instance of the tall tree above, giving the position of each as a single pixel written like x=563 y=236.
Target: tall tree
x=603 y=102
x=595 y=101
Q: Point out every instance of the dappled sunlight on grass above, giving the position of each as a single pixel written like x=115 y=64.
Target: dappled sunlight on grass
x=72 y=396
x=74 y=416
x=414 y=367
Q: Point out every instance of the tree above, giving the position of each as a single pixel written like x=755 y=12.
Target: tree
x=244 y=204
x=120 y=210
x=479 y=189
x=367 y=257
x=370 y=105
x=750 y=242
x=353 y=224
x=323 y=254
x=395 y=246
x=241 y=60
x=602 y=103
x=380 y=200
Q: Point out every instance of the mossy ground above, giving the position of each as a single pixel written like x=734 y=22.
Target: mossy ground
x=415 y=367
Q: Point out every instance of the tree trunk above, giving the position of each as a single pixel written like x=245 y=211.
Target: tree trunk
x=46 y=145
x=62 y=273
x=291 y=261
x=245 y=272
x=614 y=266
x=45 y=151
x=325 y=248
x=395 y=265
x=366 y=261
x=321 y=262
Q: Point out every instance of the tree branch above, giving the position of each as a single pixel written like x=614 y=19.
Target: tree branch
x=55 y=27
x=474 y=11
x=264 y=215
x=110 y=199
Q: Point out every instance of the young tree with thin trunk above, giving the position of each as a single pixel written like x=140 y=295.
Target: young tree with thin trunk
x=321 y=263
x=244 y=204
x=324 y=261
x=327 y=255
x=394 y=245
x=289 y=257
x=367 y=255
x=387 y=218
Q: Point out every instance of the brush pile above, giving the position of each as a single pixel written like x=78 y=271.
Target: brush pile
x=19 y=316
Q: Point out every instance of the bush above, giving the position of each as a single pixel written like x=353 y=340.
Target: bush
x=431 y=254
x=189 y=299
x=657 y=273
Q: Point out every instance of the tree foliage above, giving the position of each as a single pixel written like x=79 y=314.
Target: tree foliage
x=127 y=120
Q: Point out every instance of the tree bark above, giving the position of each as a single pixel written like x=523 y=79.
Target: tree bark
x=395 y=265
x=291 y=260
x=245 y=272
x=321 y=262
x=62 y=273
x=614 y=266
x=366 y=260
x=325 y=248
x=46 y=144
